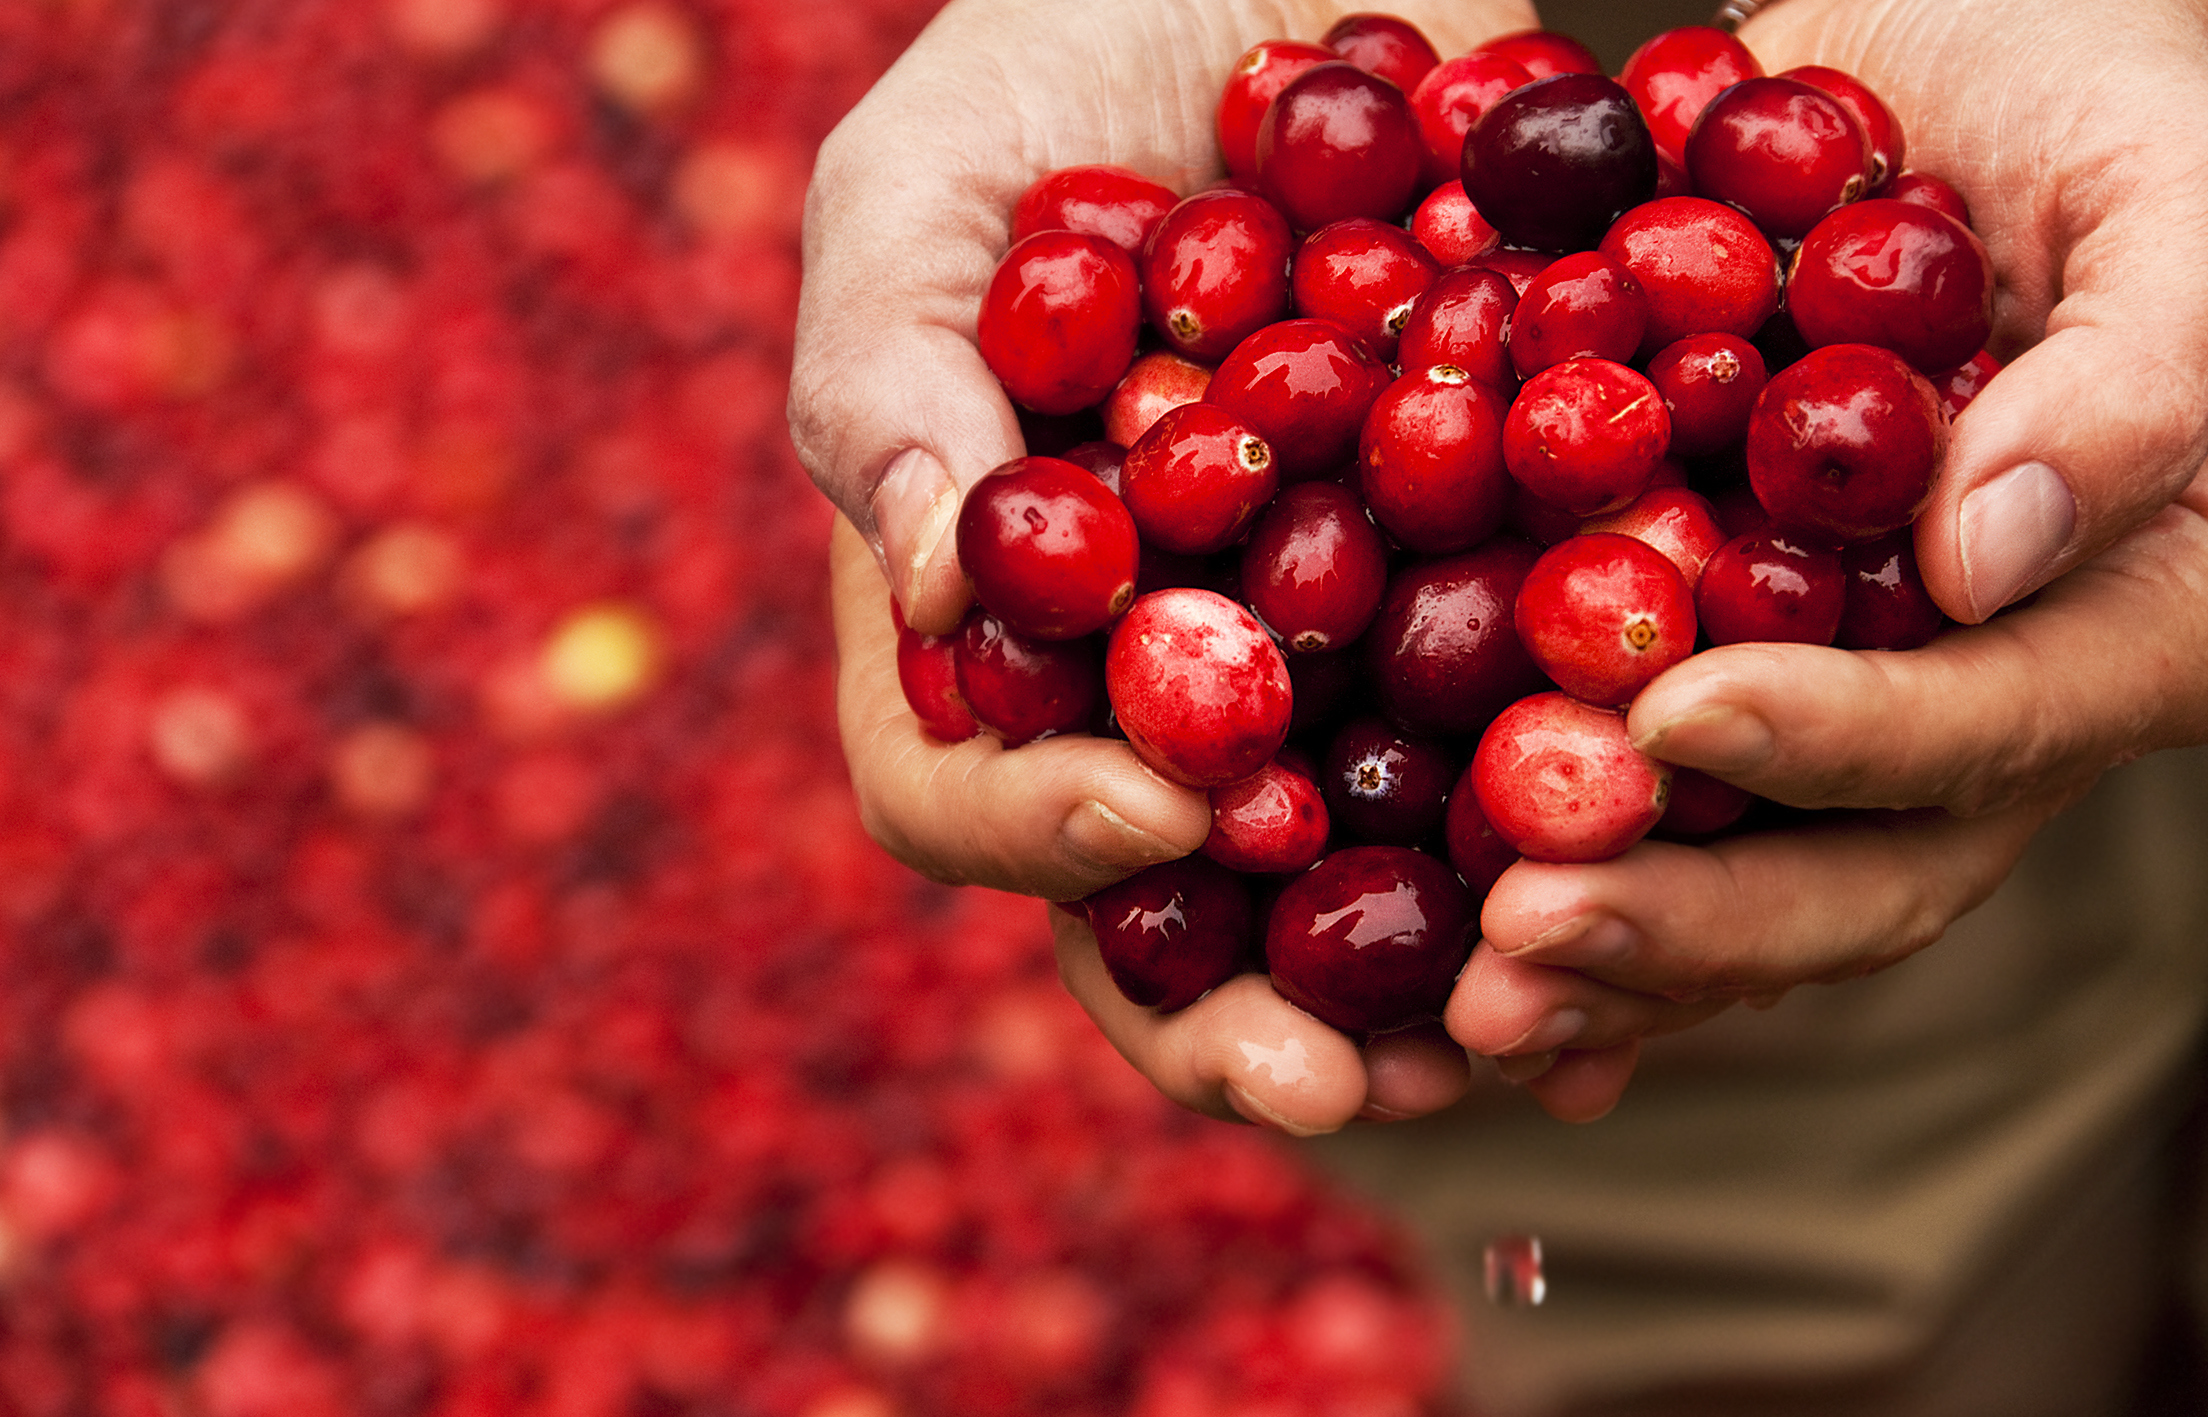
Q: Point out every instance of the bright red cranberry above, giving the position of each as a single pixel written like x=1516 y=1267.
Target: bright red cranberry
x=927 y=670
x=1464 y=318
x=1384 y=45
x=1365 y=276
x=1173 y=932
x=1519 y=266
x=1544 y=53
x=1258 y=78
x=1584 y=305
x=1703 y=269
x=1272 y=822
x=1451 y=98
x=1198 y=686
x=1561 y=780
x=1430 y=461
x=1058 y=322
x=1305 y=386
x=1372 y=938
x=1197 y=480
x=1604 y=614
x=1443 y=649
x=1675 y=521
x=1782 y=151
x=1702 y=805
x=1845 y=442
x=1674 y=75
x=1769 y=586
x=1100 y=200
x=1020 y=689
x=1315 y=567
x=1896 y=275
x=1382 y=787
x=1551 y=165
x=1881 y=130
x=1155 y=382
x=1886 y=605
x=1051 y=551
x=1709 y=383
x=1339 y=142
x=1448 y=227
x=1216 y=271
x=1586 y=434
x=1960 y=386
x=1924 y=190
x=1476 y=849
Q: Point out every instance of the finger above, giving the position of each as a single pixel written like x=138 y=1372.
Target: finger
x=1586 y=1086
x=1412 y=1072
x=2107 y=663
x=1833 y=899
x=1506 y=1007
x=1241 y=1051
x=1058 y=818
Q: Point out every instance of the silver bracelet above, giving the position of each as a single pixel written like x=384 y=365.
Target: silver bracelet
x=1734 y=13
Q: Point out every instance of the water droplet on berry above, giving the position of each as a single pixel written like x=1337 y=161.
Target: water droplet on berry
x=1513 y=1271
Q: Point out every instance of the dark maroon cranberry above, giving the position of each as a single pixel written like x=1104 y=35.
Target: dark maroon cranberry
x=1703 y=269
x=1551 y=165
x=1451 y=232
x=1305 y=386
x=1959 y=387
x=1882 y=133
x=1845 y=442
x=1050 y=550
x=1327 y=687
x=1603 y=614
x=1782 y=151
x=1272 y=822
x=1673 y=75
x=1709 y=383
x=1538 y=520
x=1476 y=849
x=1443 y=650
x=1058 y=322
x=1020 y=689
x=1886 y=605
x=1197 y=480
x=1924 y=190
x=1372 y=938
x=1365 y=276
x=1544 y=53
x=1701 y=805
x=1464 y=318
x=1336 y=143
x=1430 y=461
x=1173 y=932
x=1315 y=567
x=1216 y=270
x=1586 y=434
x=1102 y=458
x=927 y=670
x=1100 y=200
x=1770 y=587
x=1451 y=98
x=1383 y=787
x=1897 y=275
x=1584 y=305
x=1384 y=45
x=1258 y=78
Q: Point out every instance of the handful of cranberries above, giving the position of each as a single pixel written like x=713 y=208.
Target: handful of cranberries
x=1374 y=481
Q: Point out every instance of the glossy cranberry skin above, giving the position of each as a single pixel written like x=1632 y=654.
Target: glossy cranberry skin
x=1050 y=550
x=1430 y=462
x=1885 y=604
x=1543 y=53
x=1586 y=434
x=1603 y=614
x=1370 y=939
x=1584 y=305
x=1924 y=190
x=1197 y=686
x=1019 y=689
x=1702 y=805
x=1674 y=75
x=1782 y=151
x=1449 y=229
x=1703 y=269
x=1384 y=45
x=927 y=670
x=1846 y=442
x=1305 y=386
x=1315 y=567
x=1058 y=322
x=1464 y=318
x=1339 y=142
x=1101 y=459
x=1676 y=521
x=1552 y=164
x=1272 y=822
x=1882 y=133
x=1197 y=480
x=1561 y=781
x=1959 y=387
x=1382 y=787
x=1896 y=275
x=1475 y=848
x=1517 y=264
x=1709 y=383
x=1215 y=271
x=1155 y=382
x=1100 y=200
x=1444 y=651
x=1172 y=933
x=1770 y=587
x=1365 y=276
x=1451 y=98
x=1258 y=78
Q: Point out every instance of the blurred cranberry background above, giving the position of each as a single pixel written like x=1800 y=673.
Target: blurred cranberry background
x=443 y=972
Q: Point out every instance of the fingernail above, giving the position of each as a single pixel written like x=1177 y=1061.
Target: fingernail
x=1255 y=1111
x=1095 y=835
x=1556 y=1031
x=1524 y=1067
x=1715 y=738
x=2012 y=529
x=1585 y=942
x=913 y=510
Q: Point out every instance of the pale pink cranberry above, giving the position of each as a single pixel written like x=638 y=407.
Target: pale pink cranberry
x=1603 y=615
x=1155 y=382
x=1198 y=686
x=1561 y=780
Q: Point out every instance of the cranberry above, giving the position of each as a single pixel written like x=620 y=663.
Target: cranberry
x=1540 y=521
x=1769 y=586
x=1674 y=75
x=1960 y=386
x=1449 y=228
x=1051 y=551
x=1703 y=269
x=1782 y=151
x=1885 y=604
x=1603 y=614
x=1258 y=77
x=1845 y=442
x=1518 y=265
x=1443 y=649
x=1382 y=787
x=1216 y=271
x=1464 y=318
x=1476 y=849
x=1365 y=276
x=1451 y=98
x=1430 y=461
x=1101 y=459
x=1543 y=53
x=1099 y=200
x=1270 y=823
x=1881 y=130
x=1058 y=322
x=1172 y=933
x=1339 y=142
x=1701 y=805
x=1315 y=567
x=1155 y=382
x=1924 y=190
x=1561 y=780
x=1305 y=386
x=1020 y=689
x=1384 y=45
x=927 y=670
x=1370 y=939
x=1197 y=686
x=1896 y=275
x=1197 y=480
x=1551 y=165
x=1675 y=521
x=1709 y=383
x=1586 y=434
x=1328 y=686
x=1583 y=305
